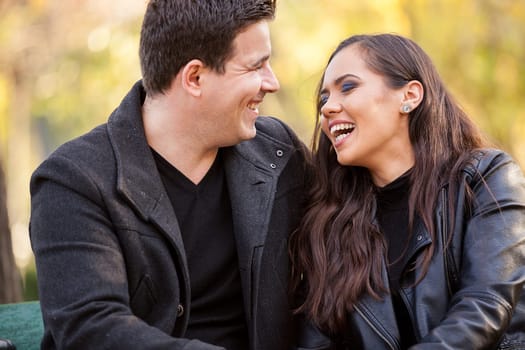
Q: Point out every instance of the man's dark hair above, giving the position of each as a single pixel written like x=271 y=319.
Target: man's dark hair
x=176 y=31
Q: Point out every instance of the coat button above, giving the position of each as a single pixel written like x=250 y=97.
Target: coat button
x=279 y=153
x=419 y=237
x=180 y=310
x=273 y=166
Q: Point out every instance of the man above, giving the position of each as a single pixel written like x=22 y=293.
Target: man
x=167 y=227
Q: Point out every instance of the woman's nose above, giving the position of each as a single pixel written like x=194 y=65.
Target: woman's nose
x=330 y=108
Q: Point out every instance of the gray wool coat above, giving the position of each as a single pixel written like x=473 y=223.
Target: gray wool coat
x=111 y=266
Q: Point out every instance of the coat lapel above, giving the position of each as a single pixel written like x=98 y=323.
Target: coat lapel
x=252 y=171
x=251 y=197
x=379 y=315
x=138 y=179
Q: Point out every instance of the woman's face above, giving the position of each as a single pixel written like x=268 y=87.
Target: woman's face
x=362 y=117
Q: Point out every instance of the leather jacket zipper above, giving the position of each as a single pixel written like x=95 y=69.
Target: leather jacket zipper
x=444 y=234
x=448 y=259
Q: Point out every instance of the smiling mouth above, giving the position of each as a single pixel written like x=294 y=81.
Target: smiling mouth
x=340 y=131
x=253 y=106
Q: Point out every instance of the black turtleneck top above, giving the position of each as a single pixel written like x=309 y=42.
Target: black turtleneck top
x=392 y=216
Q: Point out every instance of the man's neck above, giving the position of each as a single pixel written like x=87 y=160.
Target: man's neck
x=170 y=135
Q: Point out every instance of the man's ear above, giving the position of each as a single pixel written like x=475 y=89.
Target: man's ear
x=190 y=77
x=412 y=96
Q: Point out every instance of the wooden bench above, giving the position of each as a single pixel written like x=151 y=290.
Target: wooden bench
x=21 y=324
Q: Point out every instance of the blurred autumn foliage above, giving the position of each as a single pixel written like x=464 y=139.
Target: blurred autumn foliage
x=65 y=64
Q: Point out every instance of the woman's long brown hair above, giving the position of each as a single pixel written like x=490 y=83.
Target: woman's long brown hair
x=338 y=248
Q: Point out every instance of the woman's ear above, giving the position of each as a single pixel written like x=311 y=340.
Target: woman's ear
x=190 y=77
x=412 y=96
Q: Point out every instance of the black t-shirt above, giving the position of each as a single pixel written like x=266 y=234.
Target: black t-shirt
x=204 y=215
x=392 y=215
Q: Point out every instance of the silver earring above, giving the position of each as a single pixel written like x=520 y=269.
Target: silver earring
x=406 y=108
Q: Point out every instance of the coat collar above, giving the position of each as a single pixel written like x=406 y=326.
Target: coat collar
x=138 y=179
x=252 y=169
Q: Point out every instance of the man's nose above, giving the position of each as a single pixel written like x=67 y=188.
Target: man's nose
x=270 y=82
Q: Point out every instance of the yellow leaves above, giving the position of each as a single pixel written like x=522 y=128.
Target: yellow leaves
x=98 y=39
x=79 y=58
x=4 y=97
x=517 y=134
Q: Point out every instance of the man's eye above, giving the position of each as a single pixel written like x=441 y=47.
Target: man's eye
x=260 y=66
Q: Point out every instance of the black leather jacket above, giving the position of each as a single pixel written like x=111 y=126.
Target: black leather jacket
x=472 y=296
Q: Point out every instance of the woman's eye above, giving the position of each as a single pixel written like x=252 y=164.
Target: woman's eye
x=347 y=87
x=323 y=100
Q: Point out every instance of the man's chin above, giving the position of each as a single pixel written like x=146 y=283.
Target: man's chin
x=245 y=136
x=249 y=133
x=253 y=132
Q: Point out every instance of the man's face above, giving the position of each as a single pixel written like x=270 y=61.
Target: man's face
x=232 y=99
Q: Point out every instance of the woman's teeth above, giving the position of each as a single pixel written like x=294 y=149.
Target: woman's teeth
x=336 y=129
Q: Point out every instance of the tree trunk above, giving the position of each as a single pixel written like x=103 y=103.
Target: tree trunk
x=10 y=283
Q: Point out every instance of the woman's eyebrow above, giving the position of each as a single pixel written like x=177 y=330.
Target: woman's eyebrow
x=343 y=77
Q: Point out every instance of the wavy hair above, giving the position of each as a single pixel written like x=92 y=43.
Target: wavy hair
x=338 y=247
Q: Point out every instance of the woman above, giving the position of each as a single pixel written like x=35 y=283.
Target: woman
x=415 y=233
